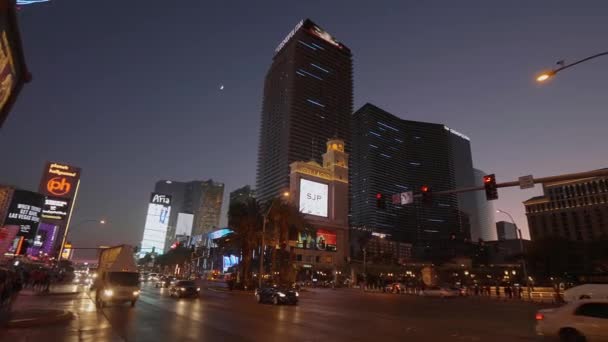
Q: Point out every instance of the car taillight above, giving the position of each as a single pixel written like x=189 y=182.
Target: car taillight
x=539 y=316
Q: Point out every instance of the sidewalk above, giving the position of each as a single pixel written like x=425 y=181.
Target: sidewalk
x=62 y=315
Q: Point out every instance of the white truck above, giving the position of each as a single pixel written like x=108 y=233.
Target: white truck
x=117 y=277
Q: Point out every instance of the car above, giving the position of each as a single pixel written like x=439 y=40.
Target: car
x=184 y=288
x=277 y=295
x=443 y=292
x=164 y=282
x=579 y=321
x=586 y=291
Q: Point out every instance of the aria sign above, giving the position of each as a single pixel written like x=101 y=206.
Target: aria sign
x=160 y=199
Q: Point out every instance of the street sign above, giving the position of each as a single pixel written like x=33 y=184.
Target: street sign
x=526 y=182
x=407 y=197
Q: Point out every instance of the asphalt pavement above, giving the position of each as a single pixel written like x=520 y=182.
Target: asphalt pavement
x=322 y=315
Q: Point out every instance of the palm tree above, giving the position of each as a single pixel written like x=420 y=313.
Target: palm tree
x=246 y=221
x=286 y=222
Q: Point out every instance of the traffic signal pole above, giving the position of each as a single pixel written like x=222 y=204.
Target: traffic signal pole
x=564 y=177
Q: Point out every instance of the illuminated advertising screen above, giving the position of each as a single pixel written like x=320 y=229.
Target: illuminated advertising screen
x=184 y=224
x=157 y=222
x=25 y=211
x=44 y=240
x=13 y=72
x=321 y=239
x=55 y=209
x=313 y=198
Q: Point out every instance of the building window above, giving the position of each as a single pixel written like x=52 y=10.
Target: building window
x=307 y=45
x=309 y=74
x=316 y=103
x=320 y=68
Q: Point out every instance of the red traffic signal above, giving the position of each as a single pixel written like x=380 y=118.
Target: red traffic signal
x=427 y=196
x=489 y=183
x=380 y=201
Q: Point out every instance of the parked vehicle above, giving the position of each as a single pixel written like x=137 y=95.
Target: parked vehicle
x=117 y=277
x=184 y=288
x=442 y=292
x=277 y=295
x=586 y=291
x=578 y=321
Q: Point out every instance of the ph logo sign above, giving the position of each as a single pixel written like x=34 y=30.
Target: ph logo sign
x=58 y=186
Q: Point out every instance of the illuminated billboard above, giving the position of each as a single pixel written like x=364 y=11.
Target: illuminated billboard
x=184 y=224
x=157 y=222
x=24 y=211
x=55 y=208
x=321 y=239
x=13 y=72
x=44 y=240
x=313 y=198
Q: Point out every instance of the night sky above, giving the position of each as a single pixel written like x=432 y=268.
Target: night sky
x=130 y=90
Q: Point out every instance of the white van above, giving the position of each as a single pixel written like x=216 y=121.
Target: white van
x=586 y=291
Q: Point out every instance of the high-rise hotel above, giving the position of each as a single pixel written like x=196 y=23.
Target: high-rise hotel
x=308 y=99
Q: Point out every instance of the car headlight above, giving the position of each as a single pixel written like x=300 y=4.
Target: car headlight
x=281 y=294
x=136 y=293
x=182 y=289
x=297 y=294
x=198 y=289
x=108 y=292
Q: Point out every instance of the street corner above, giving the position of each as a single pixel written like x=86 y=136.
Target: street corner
x=38 y=317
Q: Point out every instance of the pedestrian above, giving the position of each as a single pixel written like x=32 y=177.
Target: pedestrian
x=508 y=292
x=521 y=292
x=497 y=291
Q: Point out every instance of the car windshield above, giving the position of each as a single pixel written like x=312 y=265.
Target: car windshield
x=124 y=278
x=185 y=283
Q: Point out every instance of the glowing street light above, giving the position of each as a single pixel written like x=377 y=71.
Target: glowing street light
x=546 y=75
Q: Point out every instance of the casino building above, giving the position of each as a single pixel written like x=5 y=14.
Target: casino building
x=320 y=191
x=308 y=98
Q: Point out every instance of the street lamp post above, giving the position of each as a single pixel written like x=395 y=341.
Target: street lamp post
x=263 y=245
x=546 y=75
x=521 y=245
x=65 y=235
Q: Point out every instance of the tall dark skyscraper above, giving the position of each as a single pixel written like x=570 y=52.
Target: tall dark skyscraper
x=391 y=155
x=308 y=99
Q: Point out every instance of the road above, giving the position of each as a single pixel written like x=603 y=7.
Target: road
x=323 y=315
x=338 y=315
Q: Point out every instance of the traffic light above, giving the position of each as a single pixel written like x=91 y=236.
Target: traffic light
x=427 y=195
x=380 y=201
x=489 y=182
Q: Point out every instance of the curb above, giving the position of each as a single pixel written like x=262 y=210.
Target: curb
x=59 y=316
x=41 y=294
x=217 y=289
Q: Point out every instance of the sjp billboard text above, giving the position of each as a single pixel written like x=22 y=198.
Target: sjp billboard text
x=59 y=180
